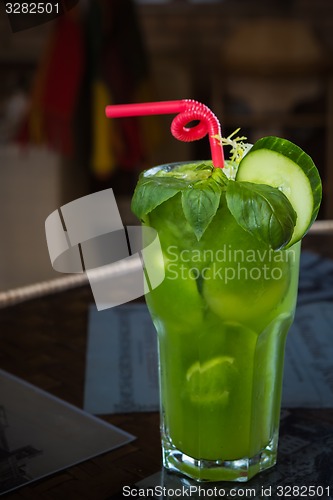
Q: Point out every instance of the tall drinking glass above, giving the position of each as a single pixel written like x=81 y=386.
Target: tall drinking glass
x=222 y=315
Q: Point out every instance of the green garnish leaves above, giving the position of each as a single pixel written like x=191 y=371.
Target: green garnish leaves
x=200 y=186
x=149 y=193
x=263 y=211
x=200 y=204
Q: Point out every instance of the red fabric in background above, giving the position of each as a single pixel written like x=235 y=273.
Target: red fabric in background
x=101 y=46
x=65 y=69
x=55 y=91
x=62 y=83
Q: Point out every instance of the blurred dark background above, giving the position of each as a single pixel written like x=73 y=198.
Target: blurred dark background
x=263 y=66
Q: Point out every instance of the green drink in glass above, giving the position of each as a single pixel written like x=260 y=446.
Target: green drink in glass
x=230 y=241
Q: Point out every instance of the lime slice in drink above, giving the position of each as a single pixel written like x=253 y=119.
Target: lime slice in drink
x=283 y=165
x=251 y=301
x=209 y=382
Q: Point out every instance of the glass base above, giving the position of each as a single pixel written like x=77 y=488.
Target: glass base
x=219 y=470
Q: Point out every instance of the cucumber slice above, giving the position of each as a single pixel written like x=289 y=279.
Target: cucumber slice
x=281 y=164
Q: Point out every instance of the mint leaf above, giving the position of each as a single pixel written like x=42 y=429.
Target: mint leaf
x=262 y=210
x=200 y=204
x=149 y=193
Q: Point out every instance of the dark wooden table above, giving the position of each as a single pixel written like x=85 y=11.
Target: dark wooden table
x=44 y=342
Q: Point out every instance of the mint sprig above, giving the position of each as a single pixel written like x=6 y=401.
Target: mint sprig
x=263 y=211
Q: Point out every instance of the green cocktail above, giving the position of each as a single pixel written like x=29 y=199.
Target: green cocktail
x=222 y=314
x=230 y=237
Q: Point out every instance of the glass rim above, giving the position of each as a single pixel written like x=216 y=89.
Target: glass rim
x=170 y=166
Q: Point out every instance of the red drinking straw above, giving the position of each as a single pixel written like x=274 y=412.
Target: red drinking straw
x=188 y=110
